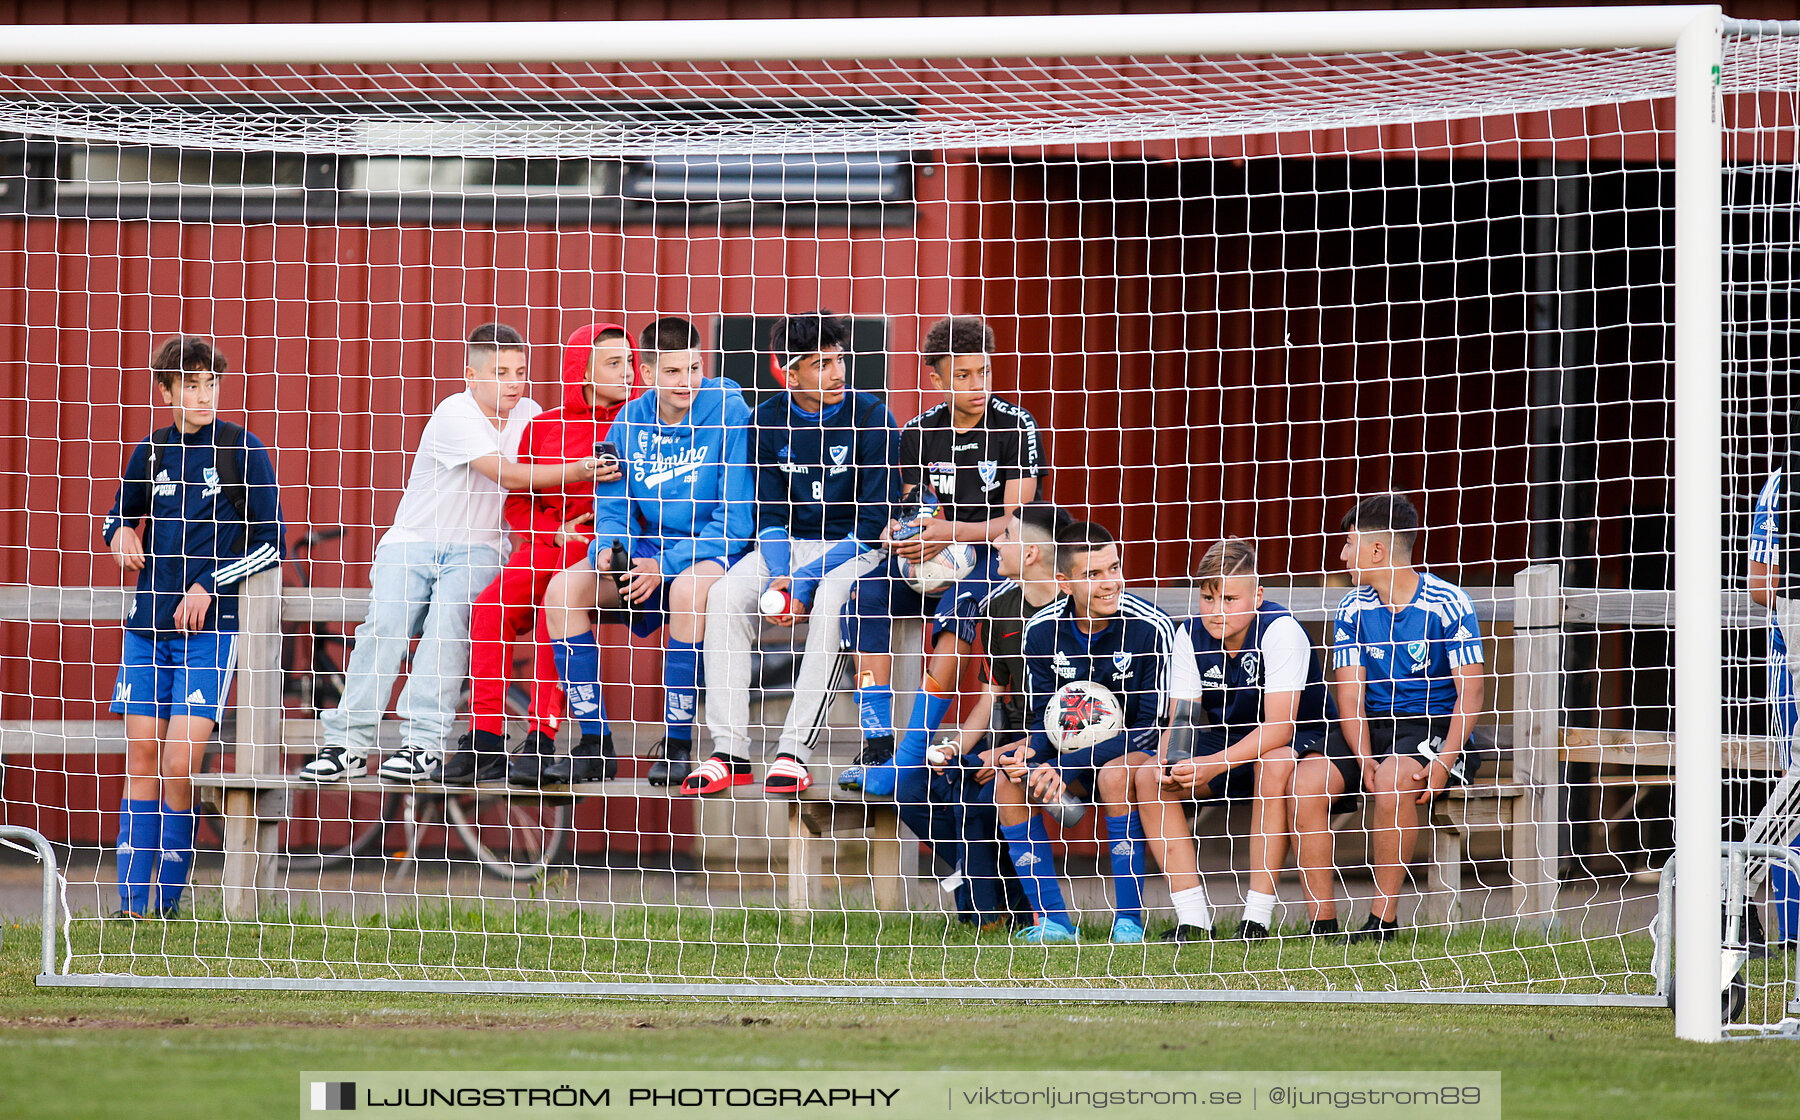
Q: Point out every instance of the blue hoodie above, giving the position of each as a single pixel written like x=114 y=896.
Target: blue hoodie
x=688 y=489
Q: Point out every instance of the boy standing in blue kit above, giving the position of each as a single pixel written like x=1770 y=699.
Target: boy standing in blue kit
x=207 y=489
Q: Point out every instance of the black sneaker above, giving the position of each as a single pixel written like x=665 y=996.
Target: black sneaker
x=674 y=765
x=1251 y=931
x=474 y=760
x=592 y=760
x=526 y=770
x=1376 y=930
x=1324 y=927
x=1181 y=935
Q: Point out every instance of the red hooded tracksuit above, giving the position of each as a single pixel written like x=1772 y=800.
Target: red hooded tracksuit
x=508 y=609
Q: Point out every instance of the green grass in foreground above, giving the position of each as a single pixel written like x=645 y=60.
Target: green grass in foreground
x=85 y=1053
x=499 y=941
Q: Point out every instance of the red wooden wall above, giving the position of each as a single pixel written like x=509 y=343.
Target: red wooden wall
x=1136 y=327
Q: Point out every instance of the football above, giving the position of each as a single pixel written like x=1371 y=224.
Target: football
x=1082 y=714
x=928 y=577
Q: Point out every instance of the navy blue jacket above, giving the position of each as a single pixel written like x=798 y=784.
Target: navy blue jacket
x=823 y=478
x=1130 y=656
x=196 y=536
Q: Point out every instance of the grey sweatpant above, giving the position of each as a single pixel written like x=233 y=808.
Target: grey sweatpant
x=732 y=623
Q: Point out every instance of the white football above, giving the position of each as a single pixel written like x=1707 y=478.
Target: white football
x=1082 y=714
x=928 y=577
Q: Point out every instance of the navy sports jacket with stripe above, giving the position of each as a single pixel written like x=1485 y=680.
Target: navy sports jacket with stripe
x=195 y=535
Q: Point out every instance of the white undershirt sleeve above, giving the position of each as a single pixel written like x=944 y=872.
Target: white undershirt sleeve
x=1287 y=653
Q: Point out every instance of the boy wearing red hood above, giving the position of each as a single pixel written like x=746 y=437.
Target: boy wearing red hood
x=599 y=376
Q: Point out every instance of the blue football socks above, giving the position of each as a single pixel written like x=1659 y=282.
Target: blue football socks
x=1029 y=846
x=140 y=840
x=875 y=706
x=578 y=663
x=928 y=711
x=177 y=857
x=681 y=677
x=1125 y=837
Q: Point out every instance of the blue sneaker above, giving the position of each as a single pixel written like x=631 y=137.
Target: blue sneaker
x=1127 y=931
x=879 y=779
x=1049 y=933
x=857 y=776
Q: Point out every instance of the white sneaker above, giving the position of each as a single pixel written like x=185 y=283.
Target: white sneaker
x=334 y=764
x=412 y=764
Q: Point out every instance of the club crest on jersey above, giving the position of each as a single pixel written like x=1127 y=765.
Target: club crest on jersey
x=1252 y=668
x=989 y=469
x=839 y=454
x=1416 y=651
x=1121 y=660
x=210 y=475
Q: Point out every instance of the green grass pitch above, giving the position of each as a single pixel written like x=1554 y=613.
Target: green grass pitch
x=89 y=1053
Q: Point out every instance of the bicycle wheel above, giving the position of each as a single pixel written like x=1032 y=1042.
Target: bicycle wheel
x=512 y=836
x=331 y=824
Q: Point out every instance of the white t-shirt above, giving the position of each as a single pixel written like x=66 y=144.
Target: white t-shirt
x=446 y=498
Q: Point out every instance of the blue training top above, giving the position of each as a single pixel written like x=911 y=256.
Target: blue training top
x=826 y=476
x=1408 y=654
x=688 y=488
x=196 y=536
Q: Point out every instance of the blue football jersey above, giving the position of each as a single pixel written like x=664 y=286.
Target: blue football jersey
x=1765 y=524
x=1277 y=656
x=1408 y=654
x=1766 y=548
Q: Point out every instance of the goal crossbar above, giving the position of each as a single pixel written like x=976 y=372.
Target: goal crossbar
x=1278 y=33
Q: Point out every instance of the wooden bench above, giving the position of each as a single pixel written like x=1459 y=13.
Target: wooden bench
x=1530 y=811
x=1632 y=762
x=1453 y=818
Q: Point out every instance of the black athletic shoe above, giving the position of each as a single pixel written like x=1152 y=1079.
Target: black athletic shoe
x=592 y=760
x=475 y=759
x=1181 y=935
x=1324 y=927
x=1376 y=930
x=1251 y=931
x=526 y=770
x=673 y=767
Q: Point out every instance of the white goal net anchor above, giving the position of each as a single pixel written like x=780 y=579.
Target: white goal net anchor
x=1373 y=129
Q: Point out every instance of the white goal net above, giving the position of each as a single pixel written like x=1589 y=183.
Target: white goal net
x=1393 y=335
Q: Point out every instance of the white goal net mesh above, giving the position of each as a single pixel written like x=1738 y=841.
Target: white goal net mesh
x=1230 y=298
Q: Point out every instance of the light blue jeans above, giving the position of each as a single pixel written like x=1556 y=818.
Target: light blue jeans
x=422 y=589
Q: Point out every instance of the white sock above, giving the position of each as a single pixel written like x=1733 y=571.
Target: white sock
x=1259 y=908
x=1191 y=908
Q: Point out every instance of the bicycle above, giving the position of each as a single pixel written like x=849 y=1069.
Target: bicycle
x=326 y=826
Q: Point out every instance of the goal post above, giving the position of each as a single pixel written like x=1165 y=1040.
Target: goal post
x=1186 y=85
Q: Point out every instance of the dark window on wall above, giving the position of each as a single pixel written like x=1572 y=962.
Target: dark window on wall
x=743 y=354
x=80 y=179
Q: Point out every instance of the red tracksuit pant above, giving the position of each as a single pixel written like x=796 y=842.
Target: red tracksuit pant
x=503 y=615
